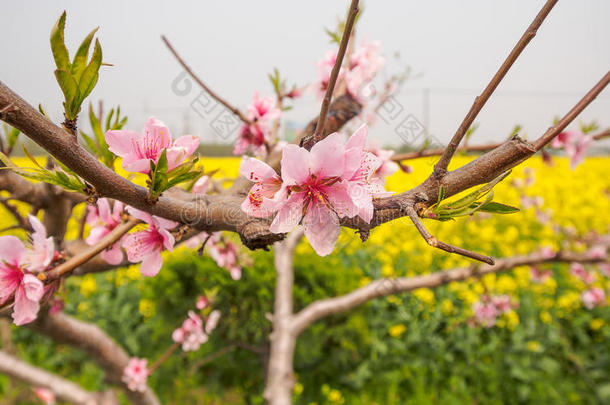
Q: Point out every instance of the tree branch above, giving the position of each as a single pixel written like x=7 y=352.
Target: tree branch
x=200 y=82
x=386 y=286
x=102 y=349
x=441 y=167
x=349 y=23
x=63 y=389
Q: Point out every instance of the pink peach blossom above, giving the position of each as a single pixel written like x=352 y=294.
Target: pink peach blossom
x=226 y=257
x=201 y=302
x=202 y=185
x=45 y=395
x=538 y=275
x=146 y=246
x=575 y=144
x=485 y=313
x=212 y=322
x=325 y=66
x=388 y=166
x=191 y=334
x=264 y=196
x=318 y=195
x=102 y=221
x=135 y=374
x=43 y=248
x=138 y=150
x=16 y=281
x=502 y=303
x=594 y=297
x=261 y=113
x=579 y=271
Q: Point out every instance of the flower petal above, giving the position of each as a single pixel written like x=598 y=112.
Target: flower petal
x=295 y=165
x=12 y=250
x=327 y=157
x=322 y=228
x=151 y=264
x=121 y=142
x=24 y=310
x=289 y=215
x=255 y=170
x=113 y=255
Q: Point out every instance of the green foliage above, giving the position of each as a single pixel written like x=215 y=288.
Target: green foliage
x=10 y=135
x=161 y=179
x=97 y=143
x=59 y=175
x=469 y=204
x=77 y=78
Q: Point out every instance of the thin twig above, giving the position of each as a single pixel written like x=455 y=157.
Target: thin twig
x=602 y=135
x=349 y=23
x=215 y=96
x=441 y=167
x=553 y=131
x=163 y=357
x=86 y=255
x=432 y=241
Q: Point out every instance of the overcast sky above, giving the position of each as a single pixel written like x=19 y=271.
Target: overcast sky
x=454 y=46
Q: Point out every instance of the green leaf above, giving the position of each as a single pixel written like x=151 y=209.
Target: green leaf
x=68 y=86
x=12 y=137
x=182 y=178
x=96 y=127
x=90 y=143
x=80 y=59
x=58 y=46
x=162 y=162
x=498 y=208
x=89 y=77
x=441 y=194
x=109 y=119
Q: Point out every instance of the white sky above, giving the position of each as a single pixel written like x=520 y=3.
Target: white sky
x=456 y=46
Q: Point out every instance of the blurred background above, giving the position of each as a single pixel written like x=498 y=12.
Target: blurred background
x=452 y=48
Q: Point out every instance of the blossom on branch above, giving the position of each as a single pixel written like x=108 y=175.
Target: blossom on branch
x=593 y=297
x=489 y=308
x=102 y=221
x=256 y=135
x=139 y=150
x=193 y=333
x=146 y=246
x=17 y=265
x=135 y=374
x=575 y=144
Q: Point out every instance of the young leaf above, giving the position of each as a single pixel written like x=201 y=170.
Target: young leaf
x=498 y=208
x=68 y=86
x=58 y=46
x=80 y=59
x=90 y=75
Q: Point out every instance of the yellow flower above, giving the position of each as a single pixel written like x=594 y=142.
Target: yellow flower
x=447 y=307
x=425 y=295
x=88 y=285
x=506 y=284
x=298 y=388
x=546 y=317
x=146 y=307
x=597 y=323
x=83 y=306
x=397 y=330
x=512 y=319
x=387 y=270
x=335 y=396
x=533 y=346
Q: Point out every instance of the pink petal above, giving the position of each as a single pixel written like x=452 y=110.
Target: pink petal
x=168 y=239
x=327 y=157
x=341 y=200
x=295 y=163
x=141 y=215
x=151 y=264
x=289 y=215
x=202 y=185
x=162 y=223
x=38 y=227
x=34 y=289
x=121 y=142
x=322 y=228
x=189 y=142
x=113 y=255
x=358 y=139
x=96 y=234
x=156 y=129
x=24 y=310
x=103 y=208
x=255 y=170
x=12 y=250
x=137 y=166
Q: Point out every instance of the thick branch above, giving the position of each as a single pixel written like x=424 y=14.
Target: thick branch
x=102 y=349
x=441 y=167
x=200 y=82
x=63 y=389
x=212 y=213
x=387 y=286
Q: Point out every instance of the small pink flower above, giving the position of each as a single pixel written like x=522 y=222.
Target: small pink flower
x=43 y=248
x=388 y=166
x=226 y=257
x=604 y=268
x=575 y=144
x=201 y=302
x=17 y=282
x=538 y=275
x=135 y=374
x=212 y=321
x=138 y=150
x=45 y=395
x=325 y=67
x=485 y=312
x=202 y=185
x=146 y=246
x=579 y=271
x=547 y=252
x=598 y=252
x=191 y=334
x=261 y=200
x=502 y=303
x=261 y=113
x=102 y=221
x=594 y=297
